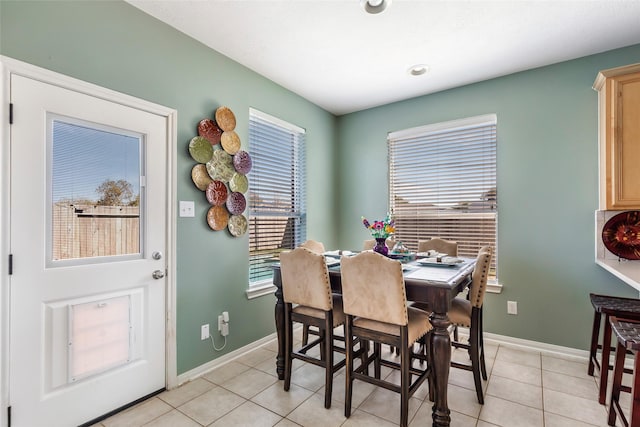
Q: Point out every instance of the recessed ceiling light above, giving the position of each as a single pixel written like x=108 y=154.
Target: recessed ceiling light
x=418 y=70
x=374 y=6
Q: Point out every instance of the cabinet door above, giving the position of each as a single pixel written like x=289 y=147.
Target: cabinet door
x=623 y=138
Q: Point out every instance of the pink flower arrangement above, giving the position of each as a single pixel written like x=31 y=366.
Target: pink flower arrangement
x=380 y=229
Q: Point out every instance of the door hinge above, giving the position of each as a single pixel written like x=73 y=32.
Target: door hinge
x=10 y=114
x=10 y=270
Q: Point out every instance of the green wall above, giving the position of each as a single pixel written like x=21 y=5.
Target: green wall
x=547 y=188
x=547 y=165
x=115 y=45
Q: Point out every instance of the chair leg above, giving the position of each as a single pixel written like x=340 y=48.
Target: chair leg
x=595 y=334
x=604 y=363
x=348 y=341
x=305 y=335
x=364 y=345
x=617 y=383
x=405 y=378
x=483 y=366
x=328 y=359
x=475 y=360
x=635 y=401
x=288 y=346
x=377 y=354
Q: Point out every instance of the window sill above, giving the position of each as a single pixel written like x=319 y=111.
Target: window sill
x=260 y=290
x=494 y=288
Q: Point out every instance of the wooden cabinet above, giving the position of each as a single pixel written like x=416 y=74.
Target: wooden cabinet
x=619 y=137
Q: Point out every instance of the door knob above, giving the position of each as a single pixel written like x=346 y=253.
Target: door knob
x=158 y=274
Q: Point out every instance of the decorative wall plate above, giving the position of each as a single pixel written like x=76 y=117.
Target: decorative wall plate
x=230 y=141
x=220 y=166
x=200 y=176
x=217 y=193
x=200 y=149
x=621 y=235
x=208 y=129
x=239 y=183
x=217 y=217
x=237 y=225
x=242 y=162
x=236 y=203
x=225 y=119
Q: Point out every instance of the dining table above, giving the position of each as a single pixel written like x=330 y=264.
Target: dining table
x=425 y=282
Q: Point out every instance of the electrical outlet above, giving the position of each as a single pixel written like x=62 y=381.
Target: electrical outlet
x=204 y=332
x=512 y=307
x=187 y=208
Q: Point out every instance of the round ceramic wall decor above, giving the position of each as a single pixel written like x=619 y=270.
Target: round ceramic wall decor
x=221 y=171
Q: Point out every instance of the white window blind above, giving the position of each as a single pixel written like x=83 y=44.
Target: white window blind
x=442 y=183
x=277 y=199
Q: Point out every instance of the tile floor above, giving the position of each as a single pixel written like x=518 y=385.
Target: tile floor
x=524 y=388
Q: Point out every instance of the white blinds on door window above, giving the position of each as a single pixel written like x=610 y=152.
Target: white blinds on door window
x=442 y=183
x=277 y=199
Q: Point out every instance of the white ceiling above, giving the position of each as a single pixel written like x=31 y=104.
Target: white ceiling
x=337 y=56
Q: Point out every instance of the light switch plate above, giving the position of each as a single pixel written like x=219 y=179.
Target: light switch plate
x=187 y=208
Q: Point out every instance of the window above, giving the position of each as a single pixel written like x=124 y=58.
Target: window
x=277 y=200
x=442 y=183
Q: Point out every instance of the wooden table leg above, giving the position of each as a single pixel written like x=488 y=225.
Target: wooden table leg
x=441 y=347
x=279 y=316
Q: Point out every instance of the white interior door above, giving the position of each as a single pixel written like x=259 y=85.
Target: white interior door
x=88 y=237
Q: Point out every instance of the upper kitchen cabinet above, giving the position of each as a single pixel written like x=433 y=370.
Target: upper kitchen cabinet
x=619 y=137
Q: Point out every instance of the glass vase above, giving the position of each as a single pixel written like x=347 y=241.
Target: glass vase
x=381 y=246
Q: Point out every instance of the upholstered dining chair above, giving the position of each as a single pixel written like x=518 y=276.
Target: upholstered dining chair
x=308 y=300
x=448 y=247
x=317 y=247
x=375 y=307
x=314 y=246
x=468 y=313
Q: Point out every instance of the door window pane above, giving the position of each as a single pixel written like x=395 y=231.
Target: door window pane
x=95 y=191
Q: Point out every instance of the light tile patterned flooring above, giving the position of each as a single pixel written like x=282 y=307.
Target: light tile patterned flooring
x=524 y=389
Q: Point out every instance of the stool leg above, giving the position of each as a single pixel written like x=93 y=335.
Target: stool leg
x=635 y=392
x=604 y=363
x=595 y=334
x=617 y=384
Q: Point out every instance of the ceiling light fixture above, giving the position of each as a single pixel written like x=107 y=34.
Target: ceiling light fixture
x=418 y=70
x=374 y=6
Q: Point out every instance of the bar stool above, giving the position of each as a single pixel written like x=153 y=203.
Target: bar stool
x=627 y=308
x=628 y=336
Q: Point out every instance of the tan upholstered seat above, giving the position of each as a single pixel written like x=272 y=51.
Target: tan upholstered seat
x=448 y=247
x=468 y=313
x=305 y=284
x=375 y=306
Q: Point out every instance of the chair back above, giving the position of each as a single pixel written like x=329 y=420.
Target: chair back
x=373 y=288
x=314 y=246
x=305 y=279
x=448 y=247
x=480 y=276
x=367 y=245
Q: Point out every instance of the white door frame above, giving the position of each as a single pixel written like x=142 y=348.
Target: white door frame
x=8 y=67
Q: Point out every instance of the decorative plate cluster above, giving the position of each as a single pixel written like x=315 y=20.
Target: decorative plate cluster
x=221 y=171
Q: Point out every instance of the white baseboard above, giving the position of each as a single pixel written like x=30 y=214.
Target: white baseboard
x=517 y=343
x=215 y=363
x=544 y=348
